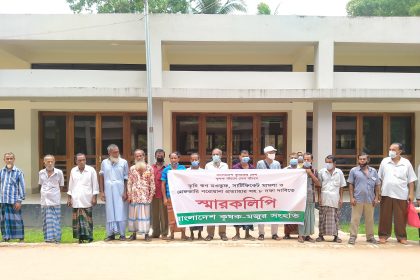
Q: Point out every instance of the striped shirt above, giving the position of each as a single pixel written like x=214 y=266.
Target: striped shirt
x=12 y=185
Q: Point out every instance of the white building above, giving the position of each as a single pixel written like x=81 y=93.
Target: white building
x=323 y=84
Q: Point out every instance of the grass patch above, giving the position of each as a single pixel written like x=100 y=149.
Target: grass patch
x=36 y=235
x=412 y=233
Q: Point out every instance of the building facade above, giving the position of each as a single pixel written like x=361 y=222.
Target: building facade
x=76 y=83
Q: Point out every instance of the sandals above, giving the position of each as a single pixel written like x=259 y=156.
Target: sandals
x=208 y=238
x=261 y=237
x=236 y=238
x=300 y=239
x=224 y=237
x=276 y=237
x=250 y=238
x=320 y=239
x=337 y=239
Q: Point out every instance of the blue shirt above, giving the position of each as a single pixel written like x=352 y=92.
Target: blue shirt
x=165 y=177
x=364 y=185
x=12 y=185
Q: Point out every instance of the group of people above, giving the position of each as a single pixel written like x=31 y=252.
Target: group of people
x=138 y=197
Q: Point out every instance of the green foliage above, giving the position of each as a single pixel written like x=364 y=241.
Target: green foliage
x=158 y=6
x=263 y=9
x=383 y=8
x=128 y=6
x=217 y=6
x=35 y=235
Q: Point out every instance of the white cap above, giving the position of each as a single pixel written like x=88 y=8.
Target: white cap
x=269 y=149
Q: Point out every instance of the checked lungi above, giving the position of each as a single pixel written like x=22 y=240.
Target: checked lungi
x=11 y=222
x=328 y=220
x=139 y=218
x=82 y=223
x=51 y=223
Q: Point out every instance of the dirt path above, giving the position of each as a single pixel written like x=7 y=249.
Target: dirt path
x=214 y=260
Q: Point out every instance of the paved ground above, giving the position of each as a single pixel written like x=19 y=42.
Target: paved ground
x=210 y=260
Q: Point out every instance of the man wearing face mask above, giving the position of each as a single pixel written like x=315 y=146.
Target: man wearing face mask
x=244 y=164
x=195 y=165
x=216 y=164
x=269 y=163
x=12 y=188
x=50 y=182
x=398 y=177
x=308 y=227
x=174 y=165
x=291 y=228
x=330 y=197
x=300 y=159
x=364 y=188
x=159 y=210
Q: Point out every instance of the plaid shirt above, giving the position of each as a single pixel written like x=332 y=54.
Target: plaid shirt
x=12 y=185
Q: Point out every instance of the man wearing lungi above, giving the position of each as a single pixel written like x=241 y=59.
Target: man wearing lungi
x=12 y=190
x=82 y=196
x=330 y=198
x=50 y=182
x=140 y=191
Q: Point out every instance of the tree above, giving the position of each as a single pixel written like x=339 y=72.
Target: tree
x=217 y=6
x=383 y=8
x=263 y=9
x=128 y=6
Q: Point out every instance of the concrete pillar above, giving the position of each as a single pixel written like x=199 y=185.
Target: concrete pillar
x=158 y=123
x=324 y=64
x=417 y=140
x=322 y=131
x=296 y=129
x=156 y=61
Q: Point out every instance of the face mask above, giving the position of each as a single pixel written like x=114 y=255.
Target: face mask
x=216 y=158
x=294 y=162
x=329 y=166
x=307 y=164
x=195 y=163
x=392 y=154
x=159 y=159
x=271 y=156
x=300 y=159
x=245 y=159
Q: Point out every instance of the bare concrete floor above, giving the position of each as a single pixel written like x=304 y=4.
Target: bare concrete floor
x=214 y=260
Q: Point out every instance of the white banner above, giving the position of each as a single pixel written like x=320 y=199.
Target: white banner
x=238 y=196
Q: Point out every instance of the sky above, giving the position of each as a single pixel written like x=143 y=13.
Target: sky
x=285 y=7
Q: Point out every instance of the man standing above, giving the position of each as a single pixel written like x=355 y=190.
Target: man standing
x=50 y=182
x=308 y=227
x=82 y=196
x=195 y=165
x=140 y=191
x=364 y=188
x=113 y=190
x=291 y=228
x=12 y=187
x=269 y=163
x=244 y=164
x=330 y=199
x=174 y=159
x=159 y=211
x=216 y=164
x=398 y=177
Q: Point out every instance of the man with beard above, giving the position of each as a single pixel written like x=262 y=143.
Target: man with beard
x=140 y=192
x=12 y=190
x=159 y=211
x=113 y=190
x=50 y=181
x=83 y=192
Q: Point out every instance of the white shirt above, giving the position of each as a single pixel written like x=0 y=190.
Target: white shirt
x=83 y=186
x=330 y=186
x=210 y=166
x=50 y=187
x=396 y=177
